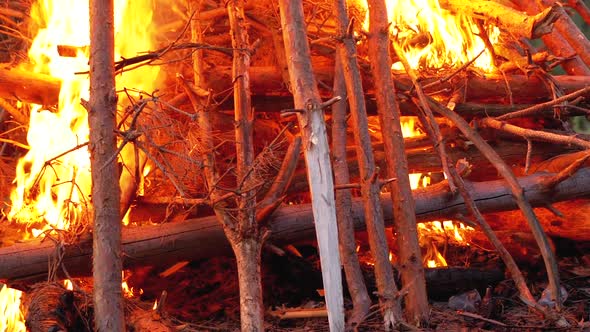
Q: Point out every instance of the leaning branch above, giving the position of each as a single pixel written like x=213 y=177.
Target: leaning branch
x=518 y=193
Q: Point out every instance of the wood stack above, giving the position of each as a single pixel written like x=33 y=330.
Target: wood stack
x=516 y=110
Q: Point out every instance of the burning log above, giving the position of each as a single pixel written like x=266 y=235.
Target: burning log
x=29 y=87
x=203 y=237
x=506 y=18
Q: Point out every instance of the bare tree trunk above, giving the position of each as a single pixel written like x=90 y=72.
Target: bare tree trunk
x=108 y=300
x=411 y=268
x=246 y=239
x=370 y=184
x=317 y=155
x=354 y=276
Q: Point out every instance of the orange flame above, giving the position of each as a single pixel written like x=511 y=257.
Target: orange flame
x=53 y=179
x=129 y=292
x=434 y=38
x=11 y=317
x=428 y=231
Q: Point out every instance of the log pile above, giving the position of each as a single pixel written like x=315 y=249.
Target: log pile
x=478 y=131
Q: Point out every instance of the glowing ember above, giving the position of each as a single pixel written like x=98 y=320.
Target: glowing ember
x=11 y=317
x=434 y=38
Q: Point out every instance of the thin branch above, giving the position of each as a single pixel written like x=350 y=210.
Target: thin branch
x=536 y=135
x=518 y=194
x=543 y=106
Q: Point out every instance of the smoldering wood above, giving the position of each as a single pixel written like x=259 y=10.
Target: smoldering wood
x=442 y=283
x=203 y=237
x=51 y=307
x=26 y=86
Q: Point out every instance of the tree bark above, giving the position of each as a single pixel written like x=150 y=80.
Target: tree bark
x=245 y=238
x=203 y=237
x=107 y=265
x=354 y=276
x=410 y=257
x=317 y=155
x=248 y=255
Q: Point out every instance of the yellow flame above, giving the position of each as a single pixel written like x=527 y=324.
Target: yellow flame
x=68 y=284
x=11 y=317
x=426 y=231
x=155 y=306
x=54 y=192
x=432 y=37
x=129 y=292
x=434 y=258
x=52 y=186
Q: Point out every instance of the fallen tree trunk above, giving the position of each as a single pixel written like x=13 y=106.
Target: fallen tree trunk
x=203 y=237
x=29 y=87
